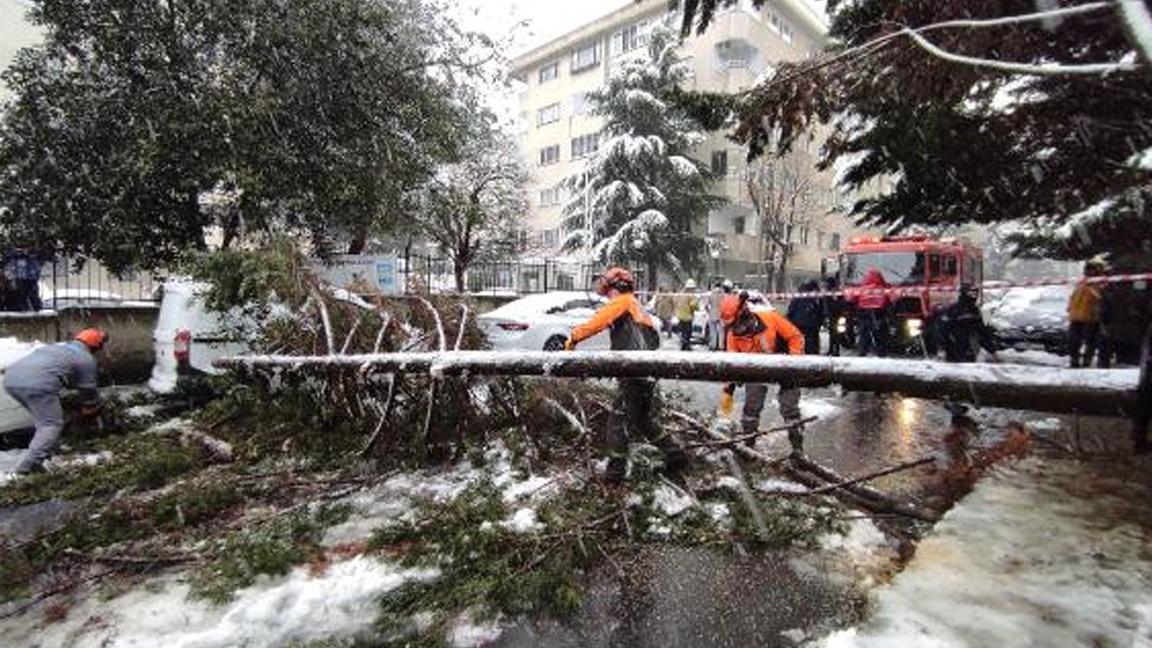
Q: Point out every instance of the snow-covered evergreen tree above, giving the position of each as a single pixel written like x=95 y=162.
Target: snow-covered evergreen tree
x=640 y=198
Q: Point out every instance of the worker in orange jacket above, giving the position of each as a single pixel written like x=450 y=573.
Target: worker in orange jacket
x=636 y=409
x=761 y=331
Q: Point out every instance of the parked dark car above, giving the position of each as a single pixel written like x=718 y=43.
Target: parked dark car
x=1030 y=318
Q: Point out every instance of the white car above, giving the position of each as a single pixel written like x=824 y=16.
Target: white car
x=187 y=338
x=542 y=322
x=13 y=416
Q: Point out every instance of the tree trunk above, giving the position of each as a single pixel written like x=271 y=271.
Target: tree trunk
x=1084 y=391
x=782 y=274
x=359 y=240
x=231 y=228
x=460 y=271
x=652 y=282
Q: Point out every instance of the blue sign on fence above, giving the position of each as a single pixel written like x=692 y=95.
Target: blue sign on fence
x=361 y=273
x=386 y=268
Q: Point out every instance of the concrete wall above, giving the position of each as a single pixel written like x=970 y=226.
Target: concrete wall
x=128 y=356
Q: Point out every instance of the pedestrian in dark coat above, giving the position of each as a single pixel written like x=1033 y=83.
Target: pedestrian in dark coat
x=1143 y=417
x=807 y=314
x=962 y=331
x=834 y=309
x=1125 y=312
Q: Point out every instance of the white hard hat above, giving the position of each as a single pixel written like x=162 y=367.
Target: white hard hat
x=690 y=284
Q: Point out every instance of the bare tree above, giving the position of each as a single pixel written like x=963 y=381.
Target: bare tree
x=781 y=192
x=473 y=209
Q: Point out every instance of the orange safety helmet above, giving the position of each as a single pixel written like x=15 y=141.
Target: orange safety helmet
x=616 y=277
x=731 y=306
x=93 y=338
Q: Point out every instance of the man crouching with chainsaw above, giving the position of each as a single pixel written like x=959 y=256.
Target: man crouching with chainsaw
x=635 y=411
x=754 y=330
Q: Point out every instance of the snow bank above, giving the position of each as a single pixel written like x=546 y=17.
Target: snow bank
x=297 y=608
x=1040 y=554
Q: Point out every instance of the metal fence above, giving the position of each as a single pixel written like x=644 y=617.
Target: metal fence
x=437 y=274
x=70 y=283
x=65 y=280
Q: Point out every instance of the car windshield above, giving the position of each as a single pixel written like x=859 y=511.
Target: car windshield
x=898 y=268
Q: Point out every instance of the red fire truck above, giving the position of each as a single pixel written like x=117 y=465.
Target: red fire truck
x=924 y=274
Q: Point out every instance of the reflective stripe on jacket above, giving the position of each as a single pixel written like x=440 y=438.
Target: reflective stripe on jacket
x=774 y=327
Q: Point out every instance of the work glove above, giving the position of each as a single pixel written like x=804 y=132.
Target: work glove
x=727 y=400
x=569 y=344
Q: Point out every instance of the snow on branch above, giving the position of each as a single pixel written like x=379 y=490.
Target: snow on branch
x=1042 y=69
x=876 y=44
x=1139 y=23
x=1086 y=391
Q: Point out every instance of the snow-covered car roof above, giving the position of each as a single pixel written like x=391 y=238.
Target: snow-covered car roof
x=1034 y=306
x=533 y=305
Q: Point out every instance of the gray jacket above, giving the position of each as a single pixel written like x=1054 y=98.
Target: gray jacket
x=50 y=367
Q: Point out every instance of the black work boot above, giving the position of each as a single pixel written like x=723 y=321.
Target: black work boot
x=796 y=436
x=617 y=468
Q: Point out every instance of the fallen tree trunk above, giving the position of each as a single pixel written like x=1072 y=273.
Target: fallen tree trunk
x=1083 y=391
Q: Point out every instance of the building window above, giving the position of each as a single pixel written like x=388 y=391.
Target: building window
x=585 y=145
x=774 y=22
x=581 y=104
x=550 y=155
x=551 y=196
x=819 y=239
x=738 y=224
x=804 y=235
x=549 y=72
x=548 y=114
x=736 y=53
x=551 y=237
x=585 y=57
x=628 y=39
x=720 y=163
x=835 y=244
x=786 y=32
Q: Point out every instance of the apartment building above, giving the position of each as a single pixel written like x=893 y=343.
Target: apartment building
x=558 y=130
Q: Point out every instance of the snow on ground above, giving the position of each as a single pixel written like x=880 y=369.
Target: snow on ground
x=671 y=501
x=780 y=486
x=819 y=407
x=395 y=500
x=523 y=521
x=9 y=459
x=1031 y=357
x=1040 y=554
x=297 y=608
x=72 y=461
x=467 y=632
